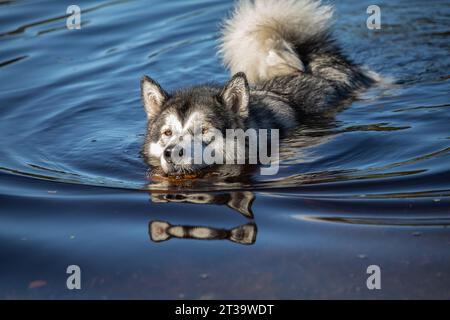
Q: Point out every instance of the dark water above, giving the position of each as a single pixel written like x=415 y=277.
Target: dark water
x=368 y=186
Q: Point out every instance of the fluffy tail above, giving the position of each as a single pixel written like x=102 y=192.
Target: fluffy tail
x=262 y=36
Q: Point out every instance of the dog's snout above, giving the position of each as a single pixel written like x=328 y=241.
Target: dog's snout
x=171 y=152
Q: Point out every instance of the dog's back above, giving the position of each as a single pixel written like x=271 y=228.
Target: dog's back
x=286 y=50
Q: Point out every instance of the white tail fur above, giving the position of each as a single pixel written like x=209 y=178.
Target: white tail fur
x=260 y=36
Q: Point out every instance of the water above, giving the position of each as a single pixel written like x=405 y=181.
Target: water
x=370 y=185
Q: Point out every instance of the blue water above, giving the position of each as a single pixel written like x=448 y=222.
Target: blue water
x=368 y=186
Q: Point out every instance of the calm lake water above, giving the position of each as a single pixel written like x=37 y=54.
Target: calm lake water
x=370 y=185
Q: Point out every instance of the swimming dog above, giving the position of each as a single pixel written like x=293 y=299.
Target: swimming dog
x=286 y=67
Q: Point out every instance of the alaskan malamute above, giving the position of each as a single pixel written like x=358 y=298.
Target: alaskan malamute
x=286 y=67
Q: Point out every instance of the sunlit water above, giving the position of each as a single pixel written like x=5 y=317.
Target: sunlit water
x=369 y=185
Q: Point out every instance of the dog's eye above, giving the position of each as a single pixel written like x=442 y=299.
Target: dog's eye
x=204 y=130
x=167 y=132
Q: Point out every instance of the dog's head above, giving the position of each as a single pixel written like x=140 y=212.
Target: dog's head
x=187 y=129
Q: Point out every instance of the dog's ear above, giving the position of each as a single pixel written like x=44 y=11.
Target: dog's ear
x=153 y=96
x=236 y=94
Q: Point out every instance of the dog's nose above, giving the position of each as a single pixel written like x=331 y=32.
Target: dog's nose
x=168 y=155
x=171 y=152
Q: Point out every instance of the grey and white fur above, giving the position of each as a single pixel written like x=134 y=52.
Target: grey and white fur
x=286 y=65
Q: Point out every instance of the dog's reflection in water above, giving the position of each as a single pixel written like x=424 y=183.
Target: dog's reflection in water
x=239 y=201
x=162 y=231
